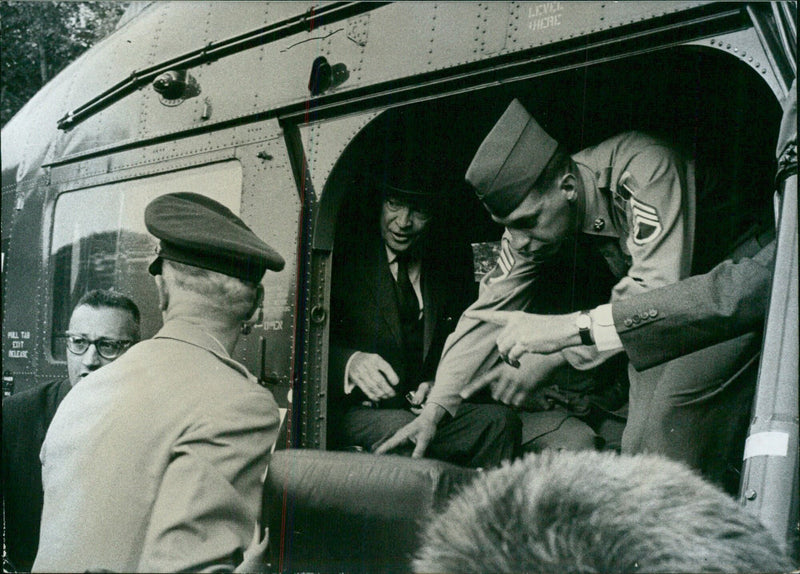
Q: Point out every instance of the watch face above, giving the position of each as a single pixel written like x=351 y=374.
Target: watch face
x=584 y=321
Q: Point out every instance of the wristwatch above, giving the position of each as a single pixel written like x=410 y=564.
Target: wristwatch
x=584 y=325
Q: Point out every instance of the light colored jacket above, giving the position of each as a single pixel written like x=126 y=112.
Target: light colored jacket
x=155 y=462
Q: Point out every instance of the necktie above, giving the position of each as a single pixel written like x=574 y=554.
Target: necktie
x=409 y=304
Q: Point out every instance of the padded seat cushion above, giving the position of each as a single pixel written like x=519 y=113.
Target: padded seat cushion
x=351 y=512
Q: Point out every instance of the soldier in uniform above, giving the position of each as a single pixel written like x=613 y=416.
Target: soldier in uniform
x=155 y=462
x=672 y=321
x=632 y=199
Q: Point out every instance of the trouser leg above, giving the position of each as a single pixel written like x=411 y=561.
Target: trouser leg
x=556 y=429
x=479 y=436
x=366 y=427
x=696 y=408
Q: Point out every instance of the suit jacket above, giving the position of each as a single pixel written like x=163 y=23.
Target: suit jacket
x=155 y=462
x=26 y=417
x=700 y=311
x=365 y=317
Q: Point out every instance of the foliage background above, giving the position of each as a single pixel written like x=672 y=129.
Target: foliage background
x=38 y=40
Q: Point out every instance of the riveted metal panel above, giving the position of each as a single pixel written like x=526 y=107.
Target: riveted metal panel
x=745 y=45
x=393 y=54
x=324 y=143
x=491 y=30
x=271 y=207
x=542 y=23
x=316 y=371
x=23 y=273
x=466 y=34
x=392 y=42
x=217 y=90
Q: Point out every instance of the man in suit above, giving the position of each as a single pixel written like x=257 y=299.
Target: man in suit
x=395 y=297
x=155 y=463
x=103 y=325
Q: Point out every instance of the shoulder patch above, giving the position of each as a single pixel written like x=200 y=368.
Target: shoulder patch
x=505 y=263
x=646 y=223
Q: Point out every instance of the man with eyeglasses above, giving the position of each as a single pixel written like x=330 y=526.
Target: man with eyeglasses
x=396 y=293
x=103 y=325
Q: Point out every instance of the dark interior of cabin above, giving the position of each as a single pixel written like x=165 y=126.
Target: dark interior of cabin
x=710 y=104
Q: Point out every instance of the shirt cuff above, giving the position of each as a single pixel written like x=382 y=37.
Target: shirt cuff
x=348 y=386
x=603 y=330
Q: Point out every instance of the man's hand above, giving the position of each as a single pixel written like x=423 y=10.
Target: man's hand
x=516 y=386
x=420 y=431
x=373 y=375
x=530 y=333
x=417 y=398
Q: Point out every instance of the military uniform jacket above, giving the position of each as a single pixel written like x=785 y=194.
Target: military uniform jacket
x=26 y=417
x=638 y=212
x=365 y=316
x=155 y=462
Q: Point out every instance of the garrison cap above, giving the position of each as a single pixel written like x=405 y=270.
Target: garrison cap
x=509 y=160
x=198 y=231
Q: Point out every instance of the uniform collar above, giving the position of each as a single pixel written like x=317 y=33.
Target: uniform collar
x=181 y=330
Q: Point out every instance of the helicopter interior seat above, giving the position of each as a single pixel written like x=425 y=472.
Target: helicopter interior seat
x=351 y=512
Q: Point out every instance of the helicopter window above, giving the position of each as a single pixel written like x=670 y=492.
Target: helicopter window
x=99 y=240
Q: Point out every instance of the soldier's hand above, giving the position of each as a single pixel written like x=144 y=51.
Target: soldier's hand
x=420 y=431
x=417 y=398
x=373 y=375
x=530 y=333
x=516 y=386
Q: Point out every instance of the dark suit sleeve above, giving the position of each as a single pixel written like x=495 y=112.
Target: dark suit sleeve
x=352 y=325
x=730 y=300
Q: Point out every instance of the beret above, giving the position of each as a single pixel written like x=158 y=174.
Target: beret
x=198 y=231
x=509 y=160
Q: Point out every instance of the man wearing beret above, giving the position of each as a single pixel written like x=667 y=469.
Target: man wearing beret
x=631 y=198
x=155 y=462
x=395 y=296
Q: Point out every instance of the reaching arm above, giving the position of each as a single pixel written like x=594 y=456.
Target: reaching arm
x=659 y=325
x=697 y=312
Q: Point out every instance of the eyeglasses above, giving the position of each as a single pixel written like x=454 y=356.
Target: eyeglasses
x=106 y=348
x=419 y=213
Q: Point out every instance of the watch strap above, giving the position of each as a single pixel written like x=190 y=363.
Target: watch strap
x=584 y=328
